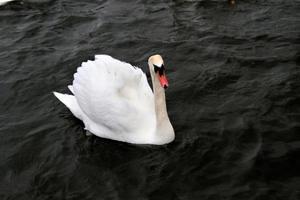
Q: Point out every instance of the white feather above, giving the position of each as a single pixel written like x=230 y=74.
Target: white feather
x=71 y=88
x=71 y=103
x=113 y=99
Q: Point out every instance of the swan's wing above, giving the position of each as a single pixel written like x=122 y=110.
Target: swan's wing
x=114 y=94
x=71 y=88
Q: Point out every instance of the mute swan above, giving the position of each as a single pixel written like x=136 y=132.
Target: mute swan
x=115 y=101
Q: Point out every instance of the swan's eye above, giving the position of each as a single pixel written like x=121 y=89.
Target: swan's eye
x=160 y=70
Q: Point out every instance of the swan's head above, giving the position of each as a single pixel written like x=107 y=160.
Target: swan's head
x=157 y=69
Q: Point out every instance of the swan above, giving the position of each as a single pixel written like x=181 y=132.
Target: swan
x=115 y=101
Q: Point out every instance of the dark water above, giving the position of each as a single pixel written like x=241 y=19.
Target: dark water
x=234 y=99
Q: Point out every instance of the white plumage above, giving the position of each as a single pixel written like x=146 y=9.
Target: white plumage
x=114 y=101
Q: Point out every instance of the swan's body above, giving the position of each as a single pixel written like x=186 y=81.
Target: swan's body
x=115 y=101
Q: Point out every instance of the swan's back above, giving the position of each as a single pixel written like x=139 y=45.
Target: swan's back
x=115 y=98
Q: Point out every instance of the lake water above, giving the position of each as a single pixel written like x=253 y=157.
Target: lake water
x=233 y=99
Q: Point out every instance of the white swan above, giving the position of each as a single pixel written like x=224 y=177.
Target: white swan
x=115 y=101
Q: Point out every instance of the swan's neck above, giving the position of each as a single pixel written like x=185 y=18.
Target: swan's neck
x=160 y=103
x=164 y=130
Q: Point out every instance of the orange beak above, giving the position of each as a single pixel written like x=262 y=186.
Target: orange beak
x=163 y=81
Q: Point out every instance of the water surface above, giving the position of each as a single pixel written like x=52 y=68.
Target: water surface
x=233 y=99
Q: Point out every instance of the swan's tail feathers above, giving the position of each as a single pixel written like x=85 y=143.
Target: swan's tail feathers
x=71 y=103
x=71 y=88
